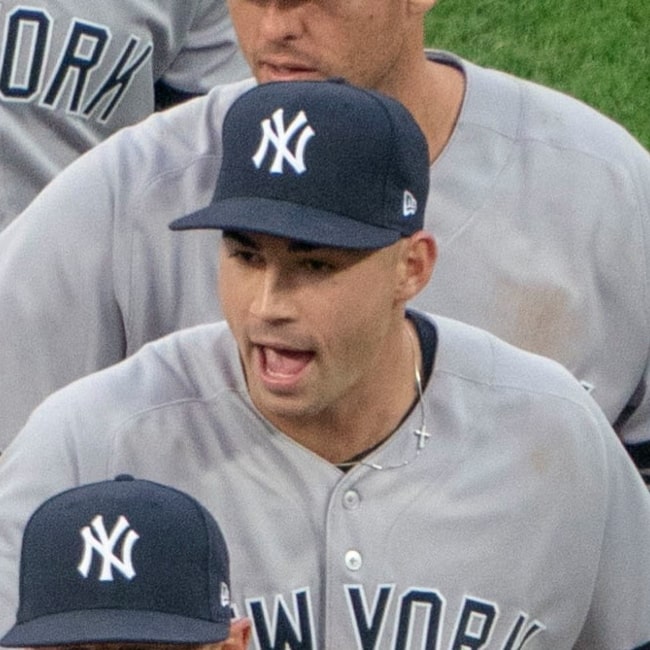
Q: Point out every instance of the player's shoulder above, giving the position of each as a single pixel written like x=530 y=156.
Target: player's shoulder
x=122 y=178
x=192 y=363
x=532 y=113
x=475 y=355
x=169 y=138
x=164 y=142
x=521 y=401
x=84 y=420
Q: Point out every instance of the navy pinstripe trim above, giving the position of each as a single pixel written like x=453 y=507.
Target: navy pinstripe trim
x=166 y=96
x=640 y=454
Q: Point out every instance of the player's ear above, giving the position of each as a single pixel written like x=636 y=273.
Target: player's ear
x=417 y=258
x=240 y=634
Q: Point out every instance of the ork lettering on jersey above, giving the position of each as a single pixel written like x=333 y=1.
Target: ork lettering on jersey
x=415 y=619
x=75 y=83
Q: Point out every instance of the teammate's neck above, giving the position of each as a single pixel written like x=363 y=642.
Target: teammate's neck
x=435 y=102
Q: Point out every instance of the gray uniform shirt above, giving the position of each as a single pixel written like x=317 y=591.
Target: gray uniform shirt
x=75 y=71
x=520 y=522
x=540 y=206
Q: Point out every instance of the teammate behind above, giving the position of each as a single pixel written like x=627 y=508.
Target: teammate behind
x=387 y=478
x=123 y=564
x=540 y=207
x=74 y=72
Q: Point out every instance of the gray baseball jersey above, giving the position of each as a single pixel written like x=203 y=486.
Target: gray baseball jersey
x=505 y=514
x=540 y=206
x=73 y=72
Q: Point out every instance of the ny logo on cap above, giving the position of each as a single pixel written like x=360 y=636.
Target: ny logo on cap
x=280 y=137
x=104 y=544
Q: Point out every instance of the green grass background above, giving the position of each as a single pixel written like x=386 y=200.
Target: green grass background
x=595 y=50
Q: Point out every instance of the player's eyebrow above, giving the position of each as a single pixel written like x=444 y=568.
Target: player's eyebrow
x=303 y=247
x=240 y=238
x=294 y=246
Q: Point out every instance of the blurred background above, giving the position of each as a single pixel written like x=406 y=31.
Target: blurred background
x=595 y=50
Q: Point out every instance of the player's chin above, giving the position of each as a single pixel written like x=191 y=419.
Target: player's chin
x=280 y=404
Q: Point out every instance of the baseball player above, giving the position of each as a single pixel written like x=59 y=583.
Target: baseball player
x=539 y=205
x=74 y=72
x=123 y=562
x=385 y=478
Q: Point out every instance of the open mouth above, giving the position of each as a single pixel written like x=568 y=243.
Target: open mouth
x=283 y=367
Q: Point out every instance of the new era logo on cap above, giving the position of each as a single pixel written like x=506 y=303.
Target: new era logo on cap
x=410 y=206
x=321 y=162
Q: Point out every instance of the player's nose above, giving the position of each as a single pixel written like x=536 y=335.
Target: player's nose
x=272 y=300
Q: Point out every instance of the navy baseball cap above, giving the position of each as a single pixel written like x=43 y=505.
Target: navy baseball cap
x=321 y=162
x=122 y=561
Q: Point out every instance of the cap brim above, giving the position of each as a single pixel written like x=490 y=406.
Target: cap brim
x=290 y=220
x=108 y=626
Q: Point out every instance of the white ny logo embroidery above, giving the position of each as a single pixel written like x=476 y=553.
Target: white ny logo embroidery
x=280 y=137
x=104 y=544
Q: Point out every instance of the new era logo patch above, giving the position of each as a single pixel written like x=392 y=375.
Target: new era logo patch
x=410 y=204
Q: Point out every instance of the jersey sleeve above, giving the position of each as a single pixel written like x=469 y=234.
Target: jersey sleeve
x=59 y=317
x=619 y=615
x=210 y=54
x=633 y=424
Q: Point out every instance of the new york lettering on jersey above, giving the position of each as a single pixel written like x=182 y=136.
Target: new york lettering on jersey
x=415 y=618
x=81 y=67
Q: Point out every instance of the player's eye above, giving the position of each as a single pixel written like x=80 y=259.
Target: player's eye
x=245 y=256
x=318 y=266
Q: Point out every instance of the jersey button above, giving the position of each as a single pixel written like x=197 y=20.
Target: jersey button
x=351 y=500
x=353 y=560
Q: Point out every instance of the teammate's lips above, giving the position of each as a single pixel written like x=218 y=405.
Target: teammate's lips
x=285 y=70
